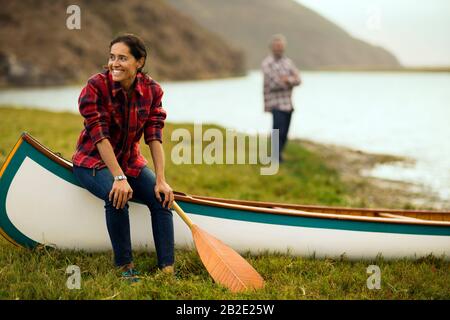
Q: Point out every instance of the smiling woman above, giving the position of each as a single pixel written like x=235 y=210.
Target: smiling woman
x=118 y=106
x=127 y=57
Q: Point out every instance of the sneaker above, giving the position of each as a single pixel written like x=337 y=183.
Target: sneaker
x=131 y=274
x=168 y=270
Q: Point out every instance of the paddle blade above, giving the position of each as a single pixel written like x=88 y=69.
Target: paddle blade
x=224 y=264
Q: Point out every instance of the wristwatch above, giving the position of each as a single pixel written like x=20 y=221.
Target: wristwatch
x=120 y=178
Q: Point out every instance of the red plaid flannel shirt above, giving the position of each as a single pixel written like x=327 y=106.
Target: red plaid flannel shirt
x=109 y=115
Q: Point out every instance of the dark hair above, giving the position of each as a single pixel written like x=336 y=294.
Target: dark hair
x=135 y=44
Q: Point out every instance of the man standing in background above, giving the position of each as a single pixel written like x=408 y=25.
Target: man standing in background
x=280 y=77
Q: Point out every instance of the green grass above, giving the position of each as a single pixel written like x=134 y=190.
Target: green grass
x=41 y=273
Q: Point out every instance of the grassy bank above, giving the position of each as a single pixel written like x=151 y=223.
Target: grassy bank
x=304 y=178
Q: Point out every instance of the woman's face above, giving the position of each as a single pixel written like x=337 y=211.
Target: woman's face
x=123 y=65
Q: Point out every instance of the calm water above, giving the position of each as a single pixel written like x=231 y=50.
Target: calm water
x=402 y=114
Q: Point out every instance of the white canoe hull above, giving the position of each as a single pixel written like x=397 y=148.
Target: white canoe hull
x=47 y=209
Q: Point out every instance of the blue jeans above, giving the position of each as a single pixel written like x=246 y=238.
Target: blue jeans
x=282 y=121
x=117 y=220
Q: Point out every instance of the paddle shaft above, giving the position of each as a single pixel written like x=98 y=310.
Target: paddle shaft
x=183 y=215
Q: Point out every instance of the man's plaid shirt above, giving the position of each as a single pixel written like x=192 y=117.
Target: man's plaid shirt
x=109 y=114
x=277 y=94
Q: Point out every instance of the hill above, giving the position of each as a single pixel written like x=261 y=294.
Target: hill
x=37 y=48
x=313 y=41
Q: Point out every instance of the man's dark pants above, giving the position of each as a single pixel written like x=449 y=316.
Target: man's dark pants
x=282 y=121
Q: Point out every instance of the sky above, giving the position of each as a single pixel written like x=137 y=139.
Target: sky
x=417 y=32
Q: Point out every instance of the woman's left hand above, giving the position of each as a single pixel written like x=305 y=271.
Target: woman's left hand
x=164 y=188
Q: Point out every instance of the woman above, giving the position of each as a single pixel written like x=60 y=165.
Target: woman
x=118 y=106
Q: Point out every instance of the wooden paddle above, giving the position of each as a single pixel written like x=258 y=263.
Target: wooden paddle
x=224 y=264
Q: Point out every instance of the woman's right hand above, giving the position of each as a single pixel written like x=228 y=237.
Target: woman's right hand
x=120 y=193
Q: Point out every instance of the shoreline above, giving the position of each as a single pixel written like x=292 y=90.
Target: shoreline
x=367 y=191
x=5 y=86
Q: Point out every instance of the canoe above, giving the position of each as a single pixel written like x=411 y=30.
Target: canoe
x=42 y=204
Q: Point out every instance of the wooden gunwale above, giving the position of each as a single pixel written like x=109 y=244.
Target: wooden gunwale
x=427 y=215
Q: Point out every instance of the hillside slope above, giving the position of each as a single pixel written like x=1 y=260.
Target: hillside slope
x=38 y=49
x=314 y=42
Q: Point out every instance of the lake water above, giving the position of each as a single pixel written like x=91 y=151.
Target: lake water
x=405 y=114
